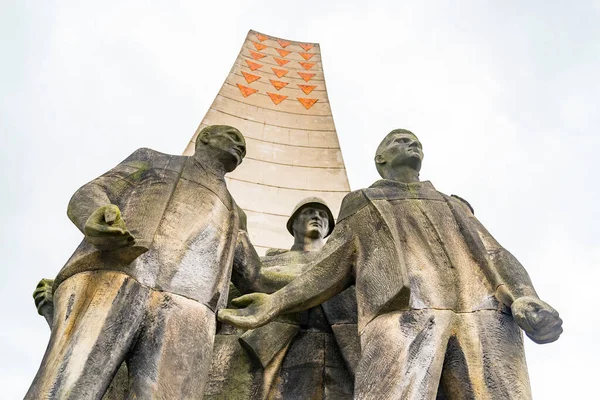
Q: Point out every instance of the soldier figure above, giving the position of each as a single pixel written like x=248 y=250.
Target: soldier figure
x=440 y=302
x=306 y=355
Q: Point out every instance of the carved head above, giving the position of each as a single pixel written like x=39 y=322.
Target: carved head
x=225 y=143
x=399 y=148
x=311 y=218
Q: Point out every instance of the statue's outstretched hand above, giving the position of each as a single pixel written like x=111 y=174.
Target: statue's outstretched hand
x=539 y=321
x=106 y=230
x=258 y=311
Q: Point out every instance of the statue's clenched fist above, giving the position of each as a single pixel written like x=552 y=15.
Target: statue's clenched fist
x=538 y=319
x=106 y=230
x=42 y=296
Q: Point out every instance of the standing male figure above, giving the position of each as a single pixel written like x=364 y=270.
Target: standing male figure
x=146 y=293
x=440 y=302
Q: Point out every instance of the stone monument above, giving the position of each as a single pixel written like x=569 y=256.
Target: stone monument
x=440 y=302
x=145 y=283
x=276 y=94
x=410 y=298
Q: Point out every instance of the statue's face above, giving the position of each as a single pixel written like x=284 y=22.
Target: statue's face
x=400 y=149
x=312 y=222
x=230 y=144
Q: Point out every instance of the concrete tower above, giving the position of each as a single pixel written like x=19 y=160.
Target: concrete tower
x=276 y=96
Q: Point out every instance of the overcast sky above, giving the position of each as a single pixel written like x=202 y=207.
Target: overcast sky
x=504 y=96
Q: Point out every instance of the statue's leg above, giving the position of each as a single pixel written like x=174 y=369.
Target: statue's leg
x=172 y=357
x=486 y=359
x=96 y=318
x=402 y=355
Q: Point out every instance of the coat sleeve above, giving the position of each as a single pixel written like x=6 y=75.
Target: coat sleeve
x=248 y=274
x=107 y=188
x=507 y=274
x=246 y=265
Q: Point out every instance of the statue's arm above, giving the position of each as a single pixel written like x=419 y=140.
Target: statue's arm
x=272 y=281
x=540 y=321
x=511 y=279
x=104 y=190
x=249 y=276
x=246 y=265
x=329 y=274
x=333 y=269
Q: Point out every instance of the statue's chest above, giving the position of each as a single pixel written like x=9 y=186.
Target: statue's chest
x=196 y=210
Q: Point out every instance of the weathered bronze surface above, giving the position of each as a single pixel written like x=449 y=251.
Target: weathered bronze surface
x=306 y=355
x=440 y=302
x=145 y=283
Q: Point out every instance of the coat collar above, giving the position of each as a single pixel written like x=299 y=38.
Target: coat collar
x=388 y=183
x=194 y=171
x=394 y=190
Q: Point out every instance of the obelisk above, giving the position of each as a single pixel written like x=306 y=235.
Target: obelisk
x=276 y=95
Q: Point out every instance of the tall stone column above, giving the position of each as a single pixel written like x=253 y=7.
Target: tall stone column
x=276 y=95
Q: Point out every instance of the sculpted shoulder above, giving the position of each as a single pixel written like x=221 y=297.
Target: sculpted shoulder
x=146 y=158
x=463 y=203
x=358 y=199
x=352 y=203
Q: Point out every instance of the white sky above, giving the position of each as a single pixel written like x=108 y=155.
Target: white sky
x=503 y=94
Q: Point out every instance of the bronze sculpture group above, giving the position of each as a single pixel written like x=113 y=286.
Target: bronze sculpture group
x=409 y=298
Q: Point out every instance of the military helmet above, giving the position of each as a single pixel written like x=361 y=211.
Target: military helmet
x=305 y=203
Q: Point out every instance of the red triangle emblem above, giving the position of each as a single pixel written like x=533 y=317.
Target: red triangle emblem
x=277 y=98
x=246 y=91
x=306 y=47
x=251 y=78
x=279 y=72
x=259 y=46
x=306 y=56
x=306 y=76
x=307 y=103
x=262 y=38
x=278 y=84
x=306 y=88
x=281 y=61
x=283 y=43
x=256 y=55
x=306 y=65
x=282 y=52
x=253 y=66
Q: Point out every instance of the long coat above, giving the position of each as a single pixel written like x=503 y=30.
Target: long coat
x=184 y=221
x=408 y=246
